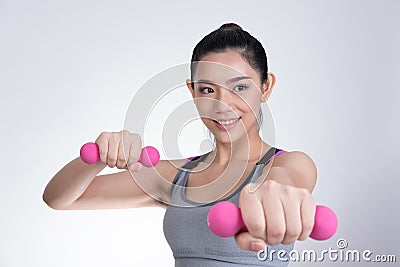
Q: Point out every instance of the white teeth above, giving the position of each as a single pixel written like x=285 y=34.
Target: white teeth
x=227 y=122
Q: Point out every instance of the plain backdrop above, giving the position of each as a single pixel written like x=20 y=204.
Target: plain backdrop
x=69 y=69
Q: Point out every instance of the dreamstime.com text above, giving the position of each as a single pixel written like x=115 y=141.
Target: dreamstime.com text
x=341 y=254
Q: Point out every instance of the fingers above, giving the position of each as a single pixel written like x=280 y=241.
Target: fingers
x=121 y=159
x=102 y=142
x=275 y=214
x=121 y=149
x=308 y=209
x=275 y=217
x=247 y=242
x=135 y=167
x=112 y=154
x=299 y=208
x=252 y=213
x=135 y=149
x=292 y=216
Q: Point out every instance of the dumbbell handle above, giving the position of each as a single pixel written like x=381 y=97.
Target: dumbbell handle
x=89 y=154
x=225 y=220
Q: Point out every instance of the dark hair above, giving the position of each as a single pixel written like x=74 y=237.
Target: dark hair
x=231 y=36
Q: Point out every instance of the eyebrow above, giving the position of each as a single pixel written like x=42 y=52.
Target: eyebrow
x=235 y=79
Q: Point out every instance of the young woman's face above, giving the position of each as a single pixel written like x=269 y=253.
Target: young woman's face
x=227 y=93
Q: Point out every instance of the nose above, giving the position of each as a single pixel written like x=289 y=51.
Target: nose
x=225 y=100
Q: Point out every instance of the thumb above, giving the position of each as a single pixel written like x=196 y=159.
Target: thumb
x=135 y=167
x=247 y=242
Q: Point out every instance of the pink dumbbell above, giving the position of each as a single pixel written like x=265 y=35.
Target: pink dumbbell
x=225 y=220
x=89 y=153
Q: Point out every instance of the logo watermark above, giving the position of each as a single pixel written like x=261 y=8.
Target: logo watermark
x=341 y=253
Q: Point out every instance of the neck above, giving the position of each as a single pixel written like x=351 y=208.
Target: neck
x=247 y=148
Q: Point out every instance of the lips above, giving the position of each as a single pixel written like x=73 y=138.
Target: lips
x=226 y=124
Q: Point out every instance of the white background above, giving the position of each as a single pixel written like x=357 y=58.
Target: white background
x=69 y=69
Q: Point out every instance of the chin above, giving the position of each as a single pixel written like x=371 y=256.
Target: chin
x=228 y=138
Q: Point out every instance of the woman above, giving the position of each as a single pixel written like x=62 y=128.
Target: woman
x=229 y=82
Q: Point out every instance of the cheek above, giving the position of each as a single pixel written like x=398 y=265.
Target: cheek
x=203 y=108
x=251 y=105
x=208 y=123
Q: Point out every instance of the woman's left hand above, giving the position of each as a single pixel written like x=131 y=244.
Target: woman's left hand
x=275 y=213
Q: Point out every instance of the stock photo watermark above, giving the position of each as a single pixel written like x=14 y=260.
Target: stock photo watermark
x=339 y=254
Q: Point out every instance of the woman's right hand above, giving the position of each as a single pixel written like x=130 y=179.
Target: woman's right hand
x=120 y=149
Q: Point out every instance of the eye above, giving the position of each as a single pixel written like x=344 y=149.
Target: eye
x=206 y=90
x=240 y=88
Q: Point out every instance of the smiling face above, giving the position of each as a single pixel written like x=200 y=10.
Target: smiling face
x=228 y=93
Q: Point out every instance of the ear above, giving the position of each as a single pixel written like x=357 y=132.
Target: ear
x=267 y=86
x=189 y=86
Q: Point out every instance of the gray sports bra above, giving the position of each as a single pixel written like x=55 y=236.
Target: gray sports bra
x=186 y=230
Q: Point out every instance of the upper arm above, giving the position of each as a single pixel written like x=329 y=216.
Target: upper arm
x=146 y=188
x=300 y=168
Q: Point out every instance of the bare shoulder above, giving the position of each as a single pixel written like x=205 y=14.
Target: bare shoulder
x=167 y=169
x=300 y=166
x=290 y=158
x=165 y=173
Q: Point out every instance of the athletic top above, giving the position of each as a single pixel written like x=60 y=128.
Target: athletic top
x=187 y=233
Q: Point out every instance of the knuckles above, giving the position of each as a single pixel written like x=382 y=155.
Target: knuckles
x=121 y=158
x=288 y=232
x=257 y=228
x=131 y=137
x=304 y=193
x=293 y=232
x=276 y=234
x=111 y=151
x=270 y=186
x=308 y=225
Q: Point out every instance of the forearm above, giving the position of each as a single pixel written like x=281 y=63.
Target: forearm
x=70 y=183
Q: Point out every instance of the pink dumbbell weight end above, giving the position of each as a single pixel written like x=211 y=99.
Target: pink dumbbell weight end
x=90 y=154
x=225 y=220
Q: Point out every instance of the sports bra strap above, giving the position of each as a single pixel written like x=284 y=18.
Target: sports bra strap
x=194 y=161
x=272 y=152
